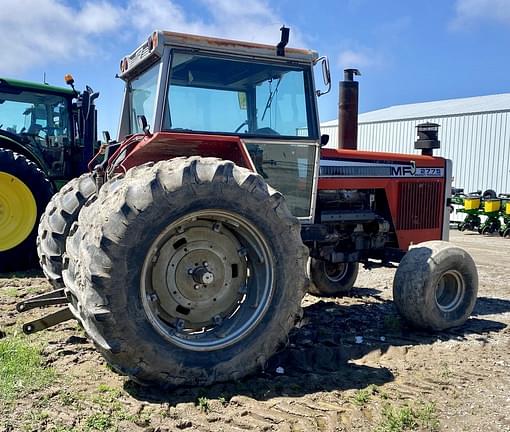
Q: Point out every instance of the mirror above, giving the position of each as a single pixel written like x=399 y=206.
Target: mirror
x=326 y=75
x=325 y=72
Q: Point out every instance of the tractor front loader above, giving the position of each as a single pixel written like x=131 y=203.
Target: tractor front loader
x=189 y=264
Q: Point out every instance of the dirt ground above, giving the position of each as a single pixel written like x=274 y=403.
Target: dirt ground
x=352 y=365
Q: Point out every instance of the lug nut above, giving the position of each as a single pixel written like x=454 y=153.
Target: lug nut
x=197 y=286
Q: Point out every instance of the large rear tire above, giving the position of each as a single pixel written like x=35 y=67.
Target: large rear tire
x=24 y=193
x=187 y=272
x=436 y=285
x=62 y=211
x=332 y=279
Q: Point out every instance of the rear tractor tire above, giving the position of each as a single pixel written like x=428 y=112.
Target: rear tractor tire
x=62 y=211
x=187 y=272
x=436 y=286
x=332 y=279
x=24 y=193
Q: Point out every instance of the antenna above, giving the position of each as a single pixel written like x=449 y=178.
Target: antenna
x=44 y=78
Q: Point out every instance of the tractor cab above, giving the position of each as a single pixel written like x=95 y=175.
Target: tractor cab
x=264 y=95
x=49 y=125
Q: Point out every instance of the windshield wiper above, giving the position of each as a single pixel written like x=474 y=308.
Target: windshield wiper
x=270 y=97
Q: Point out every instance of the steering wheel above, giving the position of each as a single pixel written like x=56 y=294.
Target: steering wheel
x=266 y=131
x=244 y=123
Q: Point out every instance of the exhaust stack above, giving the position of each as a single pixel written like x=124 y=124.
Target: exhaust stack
x=348 y=111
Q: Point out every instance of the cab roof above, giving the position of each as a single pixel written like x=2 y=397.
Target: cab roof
x=228 y=45
x=33 y=86
x=152 y=50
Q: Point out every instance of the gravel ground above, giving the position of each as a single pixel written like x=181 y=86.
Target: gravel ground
x=352 y=365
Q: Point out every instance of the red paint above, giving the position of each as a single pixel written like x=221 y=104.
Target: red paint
x=168 y=145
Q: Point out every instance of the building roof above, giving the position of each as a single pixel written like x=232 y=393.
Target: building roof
x=434 y=109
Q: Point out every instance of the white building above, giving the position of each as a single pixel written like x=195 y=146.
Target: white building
x=474 y=133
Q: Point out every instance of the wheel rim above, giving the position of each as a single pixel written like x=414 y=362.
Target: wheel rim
x=18 y=211
x=208 y=280
x=335 y=272
x=450 y=290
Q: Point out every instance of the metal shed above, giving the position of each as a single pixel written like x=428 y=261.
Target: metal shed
x=474 y=133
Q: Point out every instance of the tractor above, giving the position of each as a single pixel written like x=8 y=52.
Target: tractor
x=188 y=262
x=47 y=137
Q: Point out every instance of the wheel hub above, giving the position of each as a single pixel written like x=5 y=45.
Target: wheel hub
x=335 y=272
x=186 y=287
x=204 y=286
x=18 y=211
x=202 y=275
x=450 y=291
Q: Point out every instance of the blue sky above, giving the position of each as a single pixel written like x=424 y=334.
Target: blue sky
x=407 y=50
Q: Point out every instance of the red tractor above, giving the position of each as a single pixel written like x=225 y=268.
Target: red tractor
x=188 y=261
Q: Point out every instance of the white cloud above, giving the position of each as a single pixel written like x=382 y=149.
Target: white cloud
x=359 y=58
x=469 y=12
x=39 y=32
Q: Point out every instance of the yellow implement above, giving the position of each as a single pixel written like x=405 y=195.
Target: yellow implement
x=492 y=205
x=471 y=203
x=18 y=211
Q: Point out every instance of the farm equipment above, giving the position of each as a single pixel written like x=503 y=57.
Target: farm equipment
x=477 y=205
x=47 y=137
x=504 y=230
x=189 y=264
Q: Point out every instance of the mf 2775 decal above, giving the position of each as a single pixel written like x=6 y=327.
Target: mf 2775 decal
x=345 y=168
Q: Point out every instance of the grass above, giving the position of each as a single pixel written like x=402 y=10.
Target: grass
x=407 y=418
x=10 y=292
x=22 y=368
x=99 y=421
x=203 y=404
x=362 y=397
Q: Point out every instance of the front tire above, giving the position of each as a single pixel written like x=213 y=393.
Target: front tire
x=332 y=279
x=62 y=211
x=187 y=272
x=436 y=286
x=24 y=193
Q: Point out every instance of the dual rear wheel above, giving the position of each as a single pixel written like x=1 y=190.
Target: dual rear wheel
x=189 y=271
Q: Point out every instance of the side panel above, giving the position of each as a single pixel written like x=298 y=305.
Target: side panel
x=414 y=187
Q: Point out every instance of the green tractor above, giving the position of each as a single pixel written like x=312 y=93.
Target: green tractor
x=47 y=136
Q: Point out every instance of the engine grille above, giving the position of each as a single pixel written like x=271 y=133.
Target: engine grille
x=420 y=205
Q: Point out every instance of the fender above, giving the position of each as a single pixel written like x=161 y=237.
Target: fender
x=168 y=145
x=12 y=142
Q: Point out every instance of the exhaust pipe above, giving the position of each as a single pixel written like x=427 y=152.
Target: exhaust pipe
x=348 y=111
